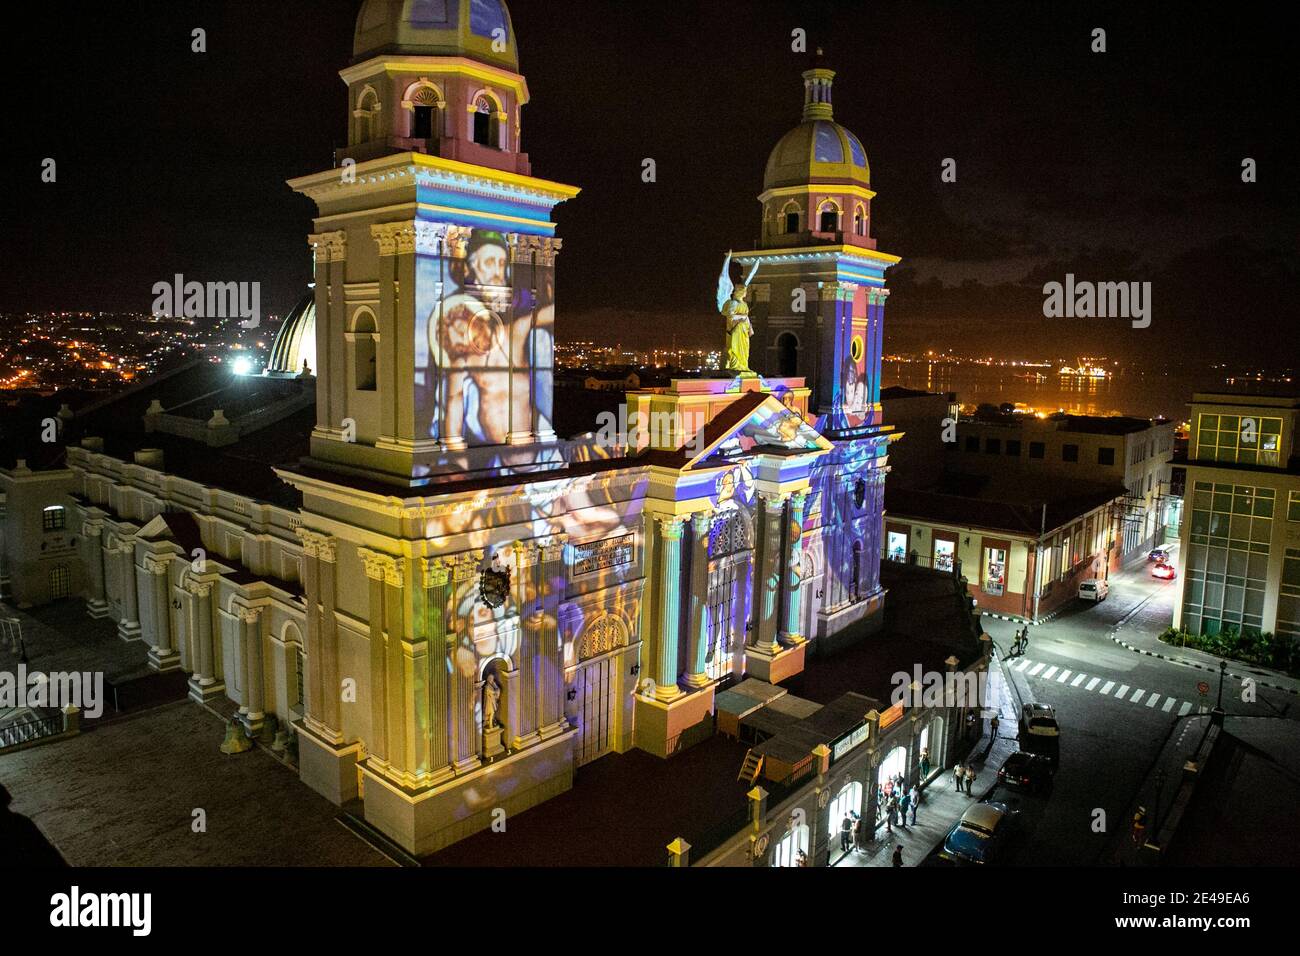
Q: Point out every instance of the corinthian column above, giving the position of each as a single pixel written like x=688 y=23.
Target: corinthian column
x=250 y=627
x=790 y=633
x=670 y=565
x=699 y=607
x=203 y=684
x=767 y=573
x=93 y=532
x=162 y=655
x=128 y=628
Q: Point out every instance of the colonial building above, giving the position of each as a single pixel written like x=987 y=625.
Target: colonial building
x=383 y=543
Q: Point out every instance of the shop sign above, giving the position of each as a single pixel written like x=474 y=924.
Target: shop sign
x=846 y=744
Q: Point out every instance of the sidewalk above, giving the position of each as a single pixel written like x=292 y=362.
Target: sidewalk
x=1138 y=632
x=943 y=805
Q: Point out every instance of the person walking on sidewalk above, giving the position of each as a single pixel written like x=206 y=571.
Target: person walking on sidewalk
x=925 y=764
x=893 y=814
x=914 y=802
x=903 y=804
x=898 y=854
x=970 y=781
x=959 y=777
x=846 y=828
x=993 y=727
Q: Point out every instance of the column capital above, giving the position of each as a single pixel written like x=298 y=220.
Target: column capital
x=92 y=529
x=200 y=589
x=434 y=572
x=773 y=501
x=701 y=521
x=394 y=238
x=317 y=545
x=248 y=614
x=670 y=526
x=877 y=296
x=329 y=246
x=383 y=567
x=157 y=563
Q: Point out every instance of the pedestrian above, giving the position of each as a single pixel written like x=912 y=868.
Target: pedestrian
x=856 y=836
x=903 y=804
x=959 y=777
x=925 y=764
x=846 y=828
x=970 y=780
x=898 y=854
x=1024 y=639
x=993 y=727
x=802 y=859
x=892 y=818
x=914 y=803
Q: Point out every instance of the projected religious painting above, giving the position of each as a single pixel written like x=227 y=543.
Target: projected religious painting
x=484 y=341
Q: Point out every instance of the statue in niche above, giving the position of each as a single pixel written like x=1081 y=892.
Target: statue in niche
x=731 y=303
x=491 y=701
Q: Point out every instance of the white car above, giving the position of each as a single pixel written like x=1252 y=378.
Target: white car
x=1095 y=589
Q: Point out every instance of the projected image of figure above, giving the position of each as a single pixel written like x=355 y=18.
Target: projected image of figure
x=469 y=342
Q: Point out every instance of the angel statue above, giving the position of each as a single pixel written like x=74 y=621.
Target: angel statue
x=731 y=303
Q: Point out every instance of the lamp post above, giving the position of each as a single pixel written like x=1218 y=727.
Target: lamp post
x=1218 y=708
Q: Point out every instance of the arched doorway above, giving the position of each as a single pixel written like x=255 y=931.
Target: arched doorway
x=895 y=762
x=787 y=851
x=848 y=800
x=597 y=686
x=787 y=355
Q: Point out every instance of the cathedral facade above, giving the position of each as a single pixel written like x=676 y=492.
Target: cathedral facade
x=454 y=607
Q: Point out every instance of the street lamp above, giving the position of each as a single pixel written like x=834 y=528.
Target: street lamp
x=1218 y=709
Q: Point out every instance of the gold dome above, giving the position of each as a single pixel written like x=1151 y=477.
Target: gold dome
x=468 y=28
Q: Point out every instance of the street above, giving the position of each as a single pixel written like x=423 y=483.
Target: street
x=1116 y=709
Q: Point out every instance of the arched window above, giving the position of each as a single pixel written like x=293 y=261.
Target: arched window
x=486 y=130
x=363 y=337
x=791 y=214
x=859 y=222
x=366 y=113
x=425 y=106
x=829 y=216
x=787 y=354
x=786 y=853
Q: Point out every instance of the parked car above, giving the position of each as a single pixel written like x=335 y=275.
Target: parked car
x=980 y=836
x=1040 y=733
x=1164 y=571
x=1039 y=720
x=1094 y=589
x=1159 y=555
x=1027 y=771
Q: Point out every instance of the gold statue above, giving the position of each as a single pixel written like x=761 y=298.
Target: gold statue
x=731 y=303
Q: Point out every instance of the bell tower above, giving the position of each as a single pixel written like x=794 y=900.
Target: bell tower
x=818 y=300
x=435 y=256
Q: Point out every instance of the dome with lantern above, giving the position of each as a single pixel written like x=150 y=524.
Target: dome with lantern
x=818 y=150
x=476 y=29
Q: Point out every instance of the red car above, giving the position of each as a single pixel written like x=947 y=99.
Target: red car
x=1165 y=571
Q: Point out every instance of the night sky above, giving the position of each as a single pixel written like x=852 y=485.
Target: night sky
x=1122 y=166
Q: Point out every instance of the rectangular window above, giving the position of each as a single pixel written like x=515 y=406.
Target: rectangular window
x=1242 y=439
x=1013 y=447
x=972 y=443
x=54 y=518
x=1105 y=456
x=297 y=691
x=1293 y=506
x=1036 y=449
x=993 y=446
x=1069 y=453
x=995 y=570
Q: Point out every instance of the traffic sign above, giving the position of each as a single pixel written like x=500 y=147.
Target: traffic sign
x=1203 y=687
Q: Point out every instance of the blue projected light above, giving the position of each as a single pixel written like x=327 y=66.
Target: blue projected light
x=485 y=16
x=855 y=147
x=827 y=147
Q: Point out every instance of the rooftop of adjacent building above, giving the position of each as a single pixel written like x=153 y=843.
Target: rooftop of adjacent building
x=1063 y=422
x=1006 y=502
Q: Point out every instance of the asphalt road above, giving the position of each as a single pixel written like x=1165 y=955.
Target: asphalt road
x=1116 y=709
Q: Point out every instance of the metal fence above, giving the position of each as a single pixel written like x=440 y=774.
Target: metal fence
x=30 y=727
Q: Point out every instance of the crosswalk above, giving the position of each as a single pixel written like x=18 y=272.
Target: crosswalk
x=1099 y=685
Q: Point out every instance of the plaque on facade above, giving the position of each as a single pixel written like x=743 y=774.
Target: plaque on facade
x=602 y=555
x=494 y=585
